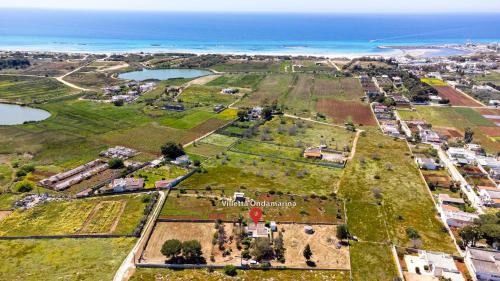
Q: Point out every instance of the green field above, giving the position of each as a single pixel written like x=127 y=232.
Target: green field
x=236 y=171
x=7 y=199
x=434 y=81
x=206 y=206
x=404 y=201
x=273 y=87
x=372 y=262
x=248 y=66
x=29 y=89
x=244 y=275
x=76 y=217
x=206 y=95
x=237 y=81
x=307 y=133
x=460 y=118
x=63 y=259
x=166 y=172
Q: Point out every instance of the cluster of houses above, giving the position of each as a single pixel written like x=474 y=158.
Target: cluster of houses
x=432 y=265
x=128 y=92
x=387 y=120
x=119 y=152
x=481 y=264
x=474 y=164
x=369 y=86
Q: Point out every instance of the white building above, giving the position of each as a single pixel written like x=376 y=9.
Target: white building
x=483 y=265
x=461 y=155
x=455 y=217
x=433 y=264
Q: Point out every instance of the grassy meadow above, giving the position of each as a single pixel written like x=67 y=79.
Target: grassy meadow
x=63 y=259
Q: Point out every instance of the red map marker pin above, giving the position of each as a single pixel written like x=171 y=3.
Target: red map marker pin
x=256 y=214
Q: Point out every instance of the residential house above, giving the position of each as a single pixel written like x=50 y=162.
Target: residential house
x=483 y=264
x=182 y=160
x=127 y=184
x=312 y=153
x=454 y=217
x=229 y=91
x=427 y=163
x=258 y=230
x=489 y=195
x=239 y=197
x=219 y=108
x=433 y=264
x=445 y=199
x=461 y=155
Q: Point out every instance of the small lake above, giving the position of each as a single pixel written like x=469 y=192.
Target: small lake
x=163 y=74
x=11 y=114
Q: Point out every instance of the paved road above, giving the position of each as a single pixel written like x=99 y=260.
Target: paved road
x=128 y=265
x=455 y=174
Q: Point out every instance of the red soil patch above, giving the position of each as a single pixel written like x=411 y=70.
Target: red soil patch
x=340 y=111
x=455 y=97
x=491 y=131
x=214 y=216
x=448 y=132
x=202 y=129
x=488 y=111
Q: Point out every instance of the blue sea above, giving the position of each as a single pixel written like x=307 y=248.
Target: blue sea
x=242 y=33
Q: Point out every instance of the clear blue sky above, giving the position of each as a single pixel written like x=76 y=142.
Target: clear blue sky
x=349 y=6
x=363 y=6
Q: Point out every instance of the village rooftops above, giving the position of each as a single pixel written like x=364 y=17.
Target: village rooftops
x=433 y=264
x=446 y=199
x=483 y=263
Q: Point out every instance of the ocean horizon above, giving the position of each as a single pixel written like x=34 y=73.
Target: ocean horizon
x=239 y=33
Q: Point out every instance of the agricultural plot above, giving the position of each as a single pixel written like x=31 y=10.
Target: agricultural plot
x=238 y=81
x=57 y=259
x=323 y=243
x=166 y=172
x=117 y=215
x=309 y=90
x=207 y=96
x=191 y=118
x=203 y=232
x=460 y=119
x=52 y=68
x=71 y=136
x=344 y=111
x=455 y=97
x=434 y=82
x=206 y=206
x=236 y=171
x=371 y=261
x=273 y=87
x=301 y=133
x=91 y=78
x=248 y=66
x=313 y=66
x=31 y=89
x=143 y=274
x=212 y=145
x=383 y=176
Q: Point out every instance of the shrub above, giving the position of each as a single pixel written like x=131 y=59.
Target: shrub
x=23 y=186
x=116 y=163
x=230 y=270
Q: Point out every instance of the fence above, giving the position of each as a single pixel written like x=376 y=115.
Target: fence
x=74 y=236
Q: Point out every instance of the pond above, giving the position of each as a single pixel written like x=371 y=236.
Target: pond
x=11 y=114
x=163 y=74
